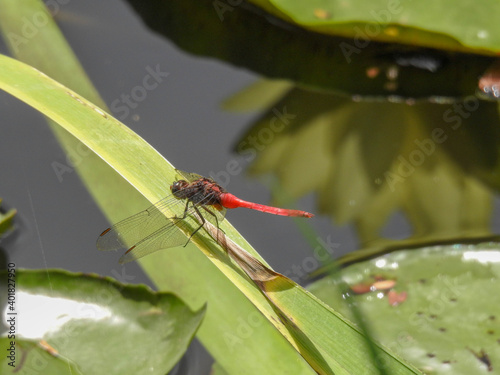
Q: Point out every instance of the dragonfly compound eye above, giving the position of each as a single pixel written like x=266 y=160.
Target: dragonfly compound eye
x=178 y=187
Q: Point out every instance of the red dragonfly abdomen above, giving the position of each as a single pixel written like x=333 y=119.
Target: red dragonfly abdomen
x=228 y=200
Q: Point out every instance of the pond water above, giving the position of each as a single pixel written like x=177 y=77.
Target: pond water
x=346 y=170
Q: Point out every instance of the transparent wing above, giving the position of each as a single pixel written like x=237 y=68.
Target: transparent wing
x=173 y=234
x=133 y=229
x=189 y=177
x=151 y=230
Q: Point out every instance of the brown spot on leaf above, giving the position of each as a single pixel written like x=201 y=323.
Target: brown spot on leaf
x=396 y=298
x=361 y=288
x=381 y=283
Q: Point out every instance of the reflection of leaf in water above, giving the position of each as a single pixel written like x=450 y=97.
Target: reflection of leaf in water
x=474 y=133
x=441 y=200
x=306 y=135
x=367 y=160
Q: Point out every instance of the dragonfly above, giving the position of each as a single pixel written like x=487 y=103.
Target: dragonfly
x=199 y=199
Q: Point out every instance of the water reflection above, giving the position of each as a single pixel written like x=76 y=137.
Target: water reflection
x=435 y=163
x=43 y=315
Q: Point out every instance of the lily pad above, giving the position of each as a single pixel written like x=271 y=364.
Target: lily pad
x=444 y=24
x=352 y=52
x=441 y=313
x=97 y=324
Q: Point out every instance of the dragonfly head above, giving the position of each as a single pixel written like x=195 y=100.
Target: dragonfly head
x=177 y=188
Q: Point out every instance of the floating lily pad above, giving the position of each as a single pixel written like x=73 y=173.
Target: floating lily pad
x=442 y=313
x=96 y=324
x=420 y=52
x=443 y=24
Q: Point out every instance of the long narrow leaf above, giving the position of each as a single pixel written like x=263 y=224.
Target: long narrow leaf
x=190 y=274
x=337 y=342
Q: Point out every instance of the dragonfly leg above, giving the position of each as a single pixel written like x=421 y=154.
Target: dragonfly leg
x=185 y=211
x=214 y=215
x=197 y=229
x=216 y=219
